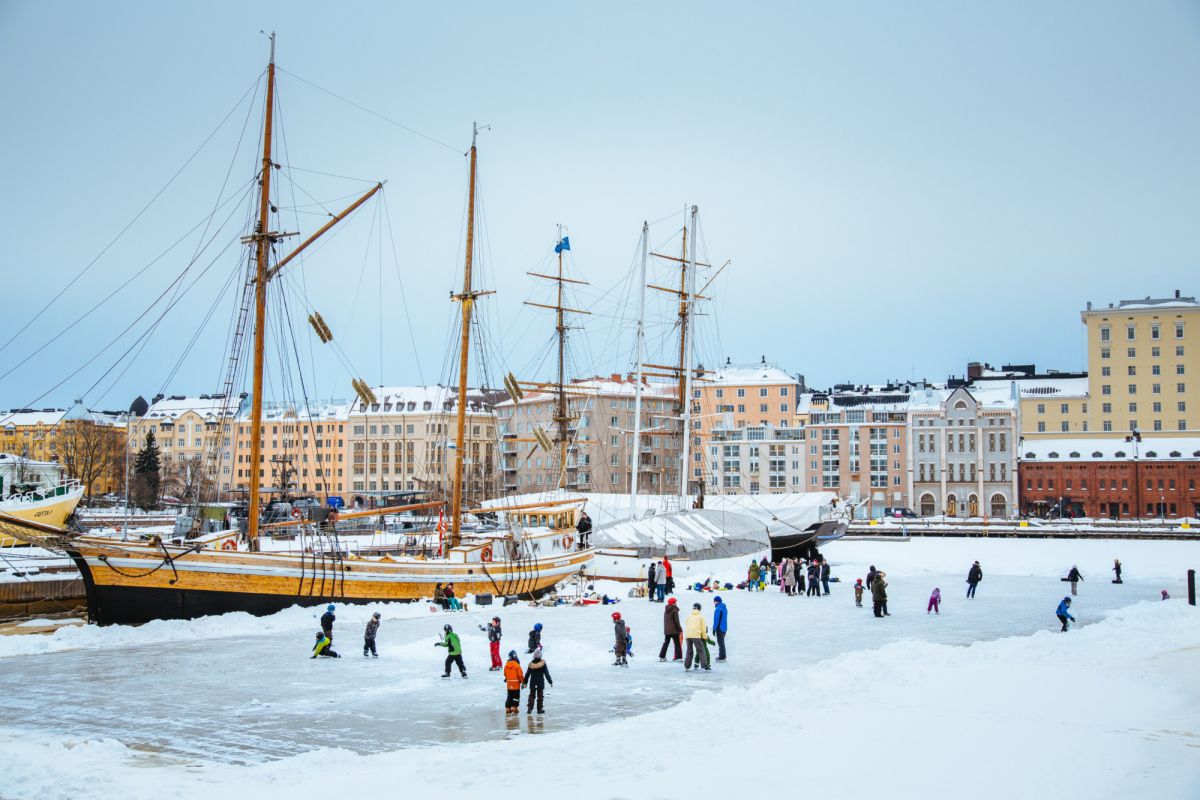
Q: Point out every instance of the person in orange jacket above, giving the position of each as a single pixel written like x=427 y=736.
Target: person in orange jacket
x=513 y=677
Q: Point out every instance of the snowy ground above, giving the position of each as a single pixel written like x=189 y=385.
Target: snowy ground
x=232 y=704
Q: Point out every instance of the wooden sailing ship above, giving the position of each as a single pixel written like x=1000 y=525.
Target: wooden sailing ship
x=139 y=581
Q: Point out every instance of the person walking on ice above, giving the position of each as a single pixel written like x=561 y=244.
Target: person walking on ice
x=672 y=630
x=536 y=678
x=1064 y=613
x=494 y=635
x=453 y=651
x=1117 y=569
x=513 y=679
x=935 y=601
x=1074 y=576
x=879 y=595
x=322 y=647
x=621 y=640
x=974 y=576
x=697 y=634
x=369 y=636
x=327 y=623
x=720 y=625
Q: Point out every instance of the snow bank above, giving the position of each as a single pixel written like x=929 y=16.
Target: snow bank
x=1148 y=560
x=1104 y=711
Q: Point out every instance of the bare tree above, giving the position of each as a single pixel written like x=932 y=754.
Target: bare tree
x=188 y=480
x=91 y=453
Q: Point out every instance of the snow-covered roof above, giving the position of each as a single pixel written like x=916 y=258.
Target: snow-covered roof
x=334 y=410
x=1052 y=387
x=1088 y=449
x=416 y=400
x=748 y=375
x=18 y=417
x=988 y=396
x=207 y=406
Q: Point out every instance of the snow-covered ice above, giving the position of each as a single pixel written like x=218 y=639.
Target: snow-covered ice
x=987 y=695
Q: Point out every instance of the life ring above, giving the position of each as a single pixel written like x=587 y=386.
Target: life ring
x=333 y=517
x=229 y=544
x=297 y=513
x=567 y=541
x=485 y=555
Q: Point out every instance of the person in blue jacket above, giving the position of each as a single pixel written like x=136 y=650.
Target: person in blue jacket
x=1064 y=613
x=720 y=625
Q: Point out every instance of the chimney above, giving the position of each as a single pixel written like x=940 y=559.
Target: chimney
x=974 y=371
x=616 y=377
x=1089 y=305
x=1176 y=294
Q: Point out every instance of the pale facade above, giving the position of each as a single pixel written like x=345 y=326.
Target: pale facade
x=1144 y=367
x=963 y=452
x=405 y=443
x=857 y=445
x=756 y=459
x=194 y=436
x=600 y=449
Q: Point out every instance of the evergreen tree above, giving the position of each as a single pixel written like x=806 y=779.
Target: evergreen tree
x=146 y=476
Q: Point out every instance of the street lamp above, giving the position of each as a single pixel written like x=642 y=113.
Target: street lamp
x=1135 y=438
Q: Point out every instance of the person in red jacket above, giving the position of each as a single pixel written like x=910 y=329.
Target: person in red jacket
x=666 y=562
x=494 y=635
x=513 y=677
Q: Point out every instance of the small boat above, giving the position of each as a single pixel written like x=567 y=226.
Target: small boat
x=52 y=505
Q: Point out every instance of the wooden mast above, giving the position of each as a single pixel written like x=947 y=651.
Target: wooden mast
x=262 y=242
x=467 y=299
x=561 y=418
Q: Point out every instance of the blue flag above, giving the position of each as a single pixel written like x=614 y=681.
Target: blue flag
x=565 y=244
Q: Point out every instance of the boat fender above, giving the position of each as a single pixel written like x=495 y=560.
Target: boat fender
x=486 y=554
x=229 y=544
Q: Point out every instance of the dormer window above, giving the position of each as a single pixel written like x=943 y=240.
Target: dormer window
x=1053 y=454
x=1119 y=454
x=1097 y=454
x=1151 y=454
x=1031 y=456
x=1175 y=454
x=1074 y=454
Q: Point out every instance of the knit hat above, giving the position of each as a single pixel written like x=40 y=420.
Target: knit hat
x=376 y=615
x=671 y=601
x=616 y=615
x=717 y=599
x=512 y=655
x=537 y=653
x=696 y=606
x=329 y=607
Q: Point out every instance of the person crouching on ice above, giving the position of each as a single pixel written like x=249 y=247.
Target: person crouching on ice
x=536 y=678
x=322 y=647
x=535 y=638
x=935 y=600
x=513 y=677
x=369 y=636
x=1064 y=614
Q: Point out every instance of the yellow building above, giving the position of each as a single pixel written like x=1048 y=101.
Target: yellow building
x=302 y=451
x=187 y=431
x=89 y=445
x=1144 y=366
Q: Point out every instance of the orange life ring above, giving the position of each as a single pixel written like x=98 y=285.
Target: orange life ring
x=297 y=513
x=567 y=541
x=229 y=544
x=486 y=554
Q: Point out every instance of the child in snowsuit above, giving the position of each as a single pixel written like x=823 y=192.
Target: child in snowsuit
x=536 y=678
x=369 y=636
x=453 y=651
x=323 y=645
x=621 y=637
x=327 y=622
x=935 y=600
x=512 y=681
x=1064 y=613
x=493 y=633
x=535 y=638
x=629 y=641
x=858 y=592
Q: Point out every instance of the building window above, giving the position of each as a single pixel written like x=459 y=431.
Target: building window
x=1155 y=370
x=1180 y=388
x=1105 y=352
x=1133 y=388
x=1133 y=407
x=1041 y=426
x=1131 y=332
x=1063 y=408
x=1179 y=350
x=720 y=392
x=1106 y=389
x=1183 y=425
x=1154 y=352
x=1131 y=352
x=1105 y=333
x=741 y=392
x=1158 y=425
x=1154 y=331
x=1065 y=427
x=762 y=392
x=1181 y=406
x=1178 y=330
x=1041 y=408
x=1179 y=369
x=1132 y=369
x=1106 y=426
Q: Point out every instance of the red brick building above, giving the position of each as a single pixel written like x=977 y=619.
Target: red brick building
x=1102 y=478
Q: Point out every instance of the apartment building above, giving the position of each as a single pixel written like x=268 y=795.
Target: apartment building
x=302 y=451
x=1144 y=366
x=600 y=449
x=1053 y=404
x=187 y=430
x=963 y=451
x=755 y=459
x=405 y=443
x=89 y=445
x=857 y=443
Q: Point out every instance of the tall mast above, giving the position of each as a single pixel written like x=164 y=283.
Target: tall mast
x=467 y=299
x=683 y=317
x=686 y=376
x=561 y=419
x=262 y=243
x=639 y=351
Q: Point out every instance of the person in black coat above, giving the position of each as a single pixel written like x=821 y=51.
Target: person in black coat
x=799 y=578
x=650 y=584
x=974 y=576
x=871 y=573
x=825 y=575
x=327 y=623
x=814 y=577
x=1074 y=576
x=537 y=675
x=535 y=637
x=584 y=528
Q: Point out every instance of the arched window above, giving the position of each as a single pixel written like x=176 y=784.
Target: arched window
x=952 y=506
x=999 y=506
x=928 y=507
x=961 y=405
x=973 y=506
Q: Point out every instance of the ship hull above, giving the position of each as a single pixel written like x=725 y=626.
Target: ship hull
x=52 y=511
x=132 y=584
x=804 y=544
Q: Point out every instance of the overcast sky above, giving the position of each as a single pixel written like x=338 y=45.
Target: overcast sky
x=901 y=187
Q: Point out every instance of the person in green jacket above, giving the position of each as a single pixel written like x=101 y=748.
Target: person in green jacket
x=453 y=651
x=752 y=576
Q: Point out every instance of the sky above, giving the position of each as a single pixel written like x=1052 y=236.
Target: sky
x=898 y=188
